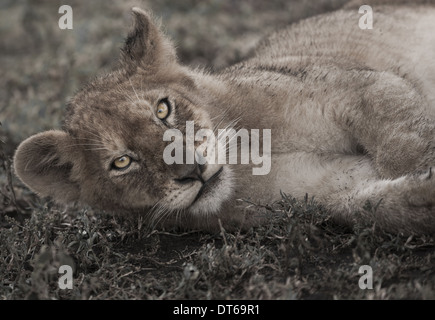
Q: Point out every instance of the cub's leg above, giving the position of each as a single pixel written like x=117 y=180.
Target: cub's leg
x=351 y=189
x=392 y=123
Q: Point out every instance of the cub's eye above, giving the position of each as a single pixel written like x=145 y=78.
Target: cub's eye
x=163 y=109
x=121 y=162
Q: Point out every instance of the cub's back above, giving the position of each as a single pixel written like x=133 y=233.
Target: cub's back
x=402 y=41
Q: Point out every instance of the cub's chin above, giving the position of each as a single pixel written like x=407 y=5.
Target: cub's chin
x=214 y=192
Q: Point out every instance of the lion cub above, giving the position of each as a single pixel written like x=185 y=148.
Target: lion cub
x=351 y=114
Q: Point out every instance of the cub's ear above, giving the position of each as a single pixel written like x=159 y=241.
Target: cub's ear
x=44 y=162
x=146 y=46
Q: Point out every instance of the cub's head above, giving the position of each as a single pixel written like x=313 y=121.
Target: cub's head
x=110 y=151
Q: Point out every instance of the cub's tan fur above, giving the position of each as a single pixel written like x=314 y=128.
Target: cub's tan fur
x=352 y=114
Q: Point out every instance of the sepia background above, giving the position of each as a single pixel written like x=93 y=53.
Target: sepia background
x=42 y=65
x=300 y=254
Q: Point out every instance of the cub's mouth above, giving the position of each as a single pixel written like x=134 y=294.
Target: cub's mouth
x=208 y=185
x=213 y=193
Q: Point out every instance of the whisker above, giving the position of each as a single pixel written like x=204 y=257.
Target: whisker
x=165 y=216
x=216 y=127
x=91 y=132
x=86 y=144
x=154 y=213
x=96 y=149
x=98 y=135
x=88 y=139
x=178 y=216
x=133 y=89
x=160 y=214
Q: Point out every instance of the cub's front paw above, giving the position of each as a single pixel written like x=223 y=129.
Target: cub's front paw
x=421 y=191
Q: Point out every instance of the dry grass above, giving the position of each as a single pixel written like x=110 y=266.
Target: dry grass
x=299 y=254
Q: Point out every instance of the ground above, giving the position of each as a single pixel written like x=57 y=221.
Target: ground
x=298 y=254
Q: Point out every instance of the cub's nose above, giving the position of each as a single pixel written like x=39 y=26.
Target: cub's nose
x=187 y=173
